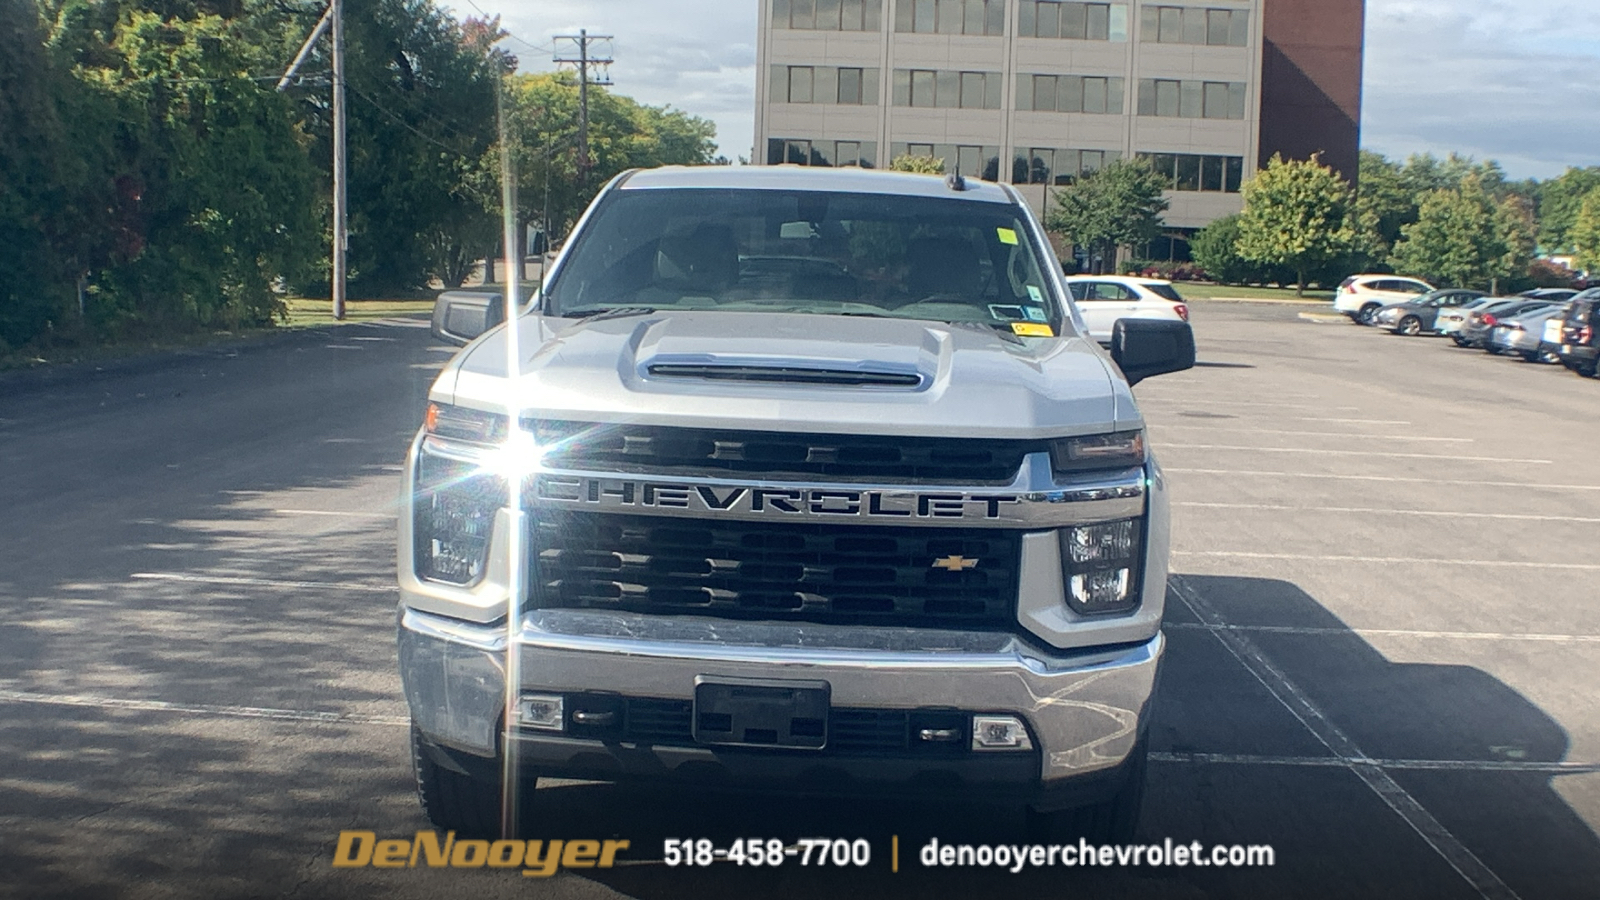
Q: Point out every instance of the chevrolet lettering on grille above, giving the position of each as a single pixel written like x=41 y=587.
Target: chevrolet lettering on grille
x=747 y=501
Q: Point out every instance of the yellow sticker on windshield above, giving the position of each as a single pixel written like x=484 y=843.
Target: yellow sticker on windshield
x=1032 y=329
x=1007 y=236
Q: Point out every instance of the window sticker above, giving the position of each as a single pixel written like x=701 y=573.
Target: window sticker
x=1006 y=311
x=1007 y=236
x=1036 y=294
x=1034 y=314
x=1032 y=329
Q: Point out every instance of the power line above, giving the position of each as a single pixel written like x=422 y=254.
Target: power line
x=541 y=48
x=408 y=126
x=581 y=42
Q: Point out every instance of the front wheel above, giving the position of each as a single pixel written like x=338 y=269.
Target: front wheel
x=1364 y=317
x=1459 y=341
x=1410 y=326
x=1113 y=821
x=454 y=801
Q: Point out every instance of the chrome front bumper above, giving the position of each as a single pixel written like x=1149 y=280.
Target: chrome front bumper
x=1086 y=709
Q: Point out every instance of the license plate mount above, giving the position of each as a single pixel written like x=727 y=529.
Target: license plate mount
x=761 y=712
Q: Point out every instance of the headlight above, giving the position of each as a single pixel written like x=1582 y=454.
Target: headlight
x=465 y=424
x=1102 y=566
x=1119 y=450
x=454 y=509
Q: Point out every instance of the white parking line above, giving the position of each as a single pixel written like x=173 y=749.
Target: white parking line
x=1513 y=485
x=1332 y=434
x=1324 y=762
x=1380 y=453
x=1210 y=402
x=344 y=514
x=1373 y=510
x=1447 y=845
x=264 y=582
x=1311 y=557
x=1353 y=421
x=1395 y=632
x=240 y=712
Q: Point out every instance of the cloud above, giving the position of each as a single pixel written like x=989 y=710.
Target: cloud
x=1512 y=80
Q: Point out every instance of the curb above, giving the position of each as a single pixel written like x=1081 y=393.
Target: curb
x=1295 y=301
x=1323 y=318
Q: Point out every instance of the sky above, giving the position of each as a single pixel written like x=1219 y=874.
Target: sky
x=1516 y=81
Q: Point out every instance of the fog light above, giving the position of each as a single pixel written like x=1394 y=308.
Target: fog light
x=999 y=733
x=541 y=711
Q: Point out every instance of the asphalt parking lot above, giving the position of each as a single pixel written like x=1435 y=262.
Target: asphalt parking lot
x=1383 y=658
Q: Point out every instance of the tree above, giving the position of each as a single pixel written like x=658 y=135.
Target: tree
x=1119 y=205
x=1463 y=237
x=1215 y=249
x=1384 y=204
x=1297 y=214
x=921 y=165
x=1584 y=233
x=1559 y=202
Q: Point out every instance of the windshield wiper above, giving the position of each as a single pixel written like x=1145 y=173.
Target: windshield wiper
x=596 y=313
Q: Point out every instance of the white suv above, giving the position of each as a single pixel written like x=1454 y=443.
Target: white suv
x=1103 y=299
x=1359 y=296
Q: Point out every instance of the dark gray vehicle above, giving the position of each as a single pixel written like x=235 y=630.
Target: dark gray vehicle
x=1481 y=322
x=1415 y=317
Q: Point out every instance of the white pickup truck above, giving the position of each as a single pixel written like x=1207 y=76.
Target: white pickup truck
x=822 y=489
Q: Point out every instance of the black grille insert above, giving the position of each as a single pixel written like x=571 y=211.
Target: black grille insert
x=787 y=571
x=664 y=450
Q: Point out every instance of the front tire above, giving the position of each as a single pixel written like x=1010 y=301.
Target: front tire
x=451 y=800
x=1364 y=316
x=1410 y=326
x=1113 y=821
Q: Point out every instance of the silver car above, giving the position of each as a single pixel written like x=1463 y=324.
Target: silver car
x=1523 y=334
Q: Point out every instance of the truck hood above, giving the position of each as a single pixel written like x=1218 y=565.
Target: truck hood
x=797 y=372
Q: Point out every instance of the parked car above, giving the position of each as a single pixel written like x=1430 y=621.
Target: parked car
x=1579 y=347
x=1415 y=317
x=1559 y=295
x=1524 y=334
x=1449 y=322
x=1475 y=333
x=1359 y=296
x=1103 y=299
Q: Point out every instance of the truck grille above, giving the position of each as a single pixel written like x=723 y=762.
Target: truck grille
x=686 y=451
x=650 y=720
x=777 y=570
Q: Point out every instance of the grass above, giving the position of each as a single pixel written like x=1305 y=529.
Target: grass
x=1199 y=291
x=303 y=313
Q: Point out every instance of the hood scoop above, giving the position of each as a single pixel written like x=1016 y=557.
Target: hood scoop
x=771 y=372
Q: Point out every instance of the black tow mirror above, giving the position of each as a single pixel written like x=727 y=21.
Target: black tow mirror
x=1147 y=347
x=460 y=316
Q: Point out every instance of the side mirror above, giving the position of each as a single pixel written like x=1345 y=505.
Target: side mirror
x=1143 y=348
x=460 y=316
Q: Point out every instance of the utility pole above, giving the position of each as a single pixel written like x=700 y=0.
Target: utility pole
x=584 y=61
x=332 y=20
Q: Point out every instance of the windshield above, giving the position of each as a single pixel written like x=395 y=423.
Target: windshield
x=810 y=252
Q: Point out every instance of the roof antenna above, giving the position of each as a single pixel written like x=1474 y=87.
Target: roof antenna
x=955 y=182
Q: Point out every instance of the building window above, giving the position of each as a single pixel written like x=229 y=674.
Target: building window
x=1194 y=25
x=946 y=89
x=1191 y=99
x=827 y=15
x=970 y=160
x=800 y=84
x=1070 y=93
x=1074 y=21
x=1047 y=165
x=803 y=152
x=823 y=84
x=978 y=17
x=1196 y=172
x=850 y=87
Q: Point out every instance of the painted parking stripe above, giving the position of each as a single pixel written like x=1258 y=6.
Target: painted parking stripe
x=1352 y=421
x=1330 y=434
x=1324 y=762
x=1373 y=510
x=1204 y=402
x=1339 y=744
x=1393 y=479
x=1394 y=632
x=242 y=581
x=205 y=709
x=344 y=514
x=1312 y=557
x=1378 y=453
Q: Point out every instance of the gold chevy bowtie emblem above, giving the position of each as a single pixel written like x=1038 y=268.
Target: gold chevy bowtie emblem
x=954 y=563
